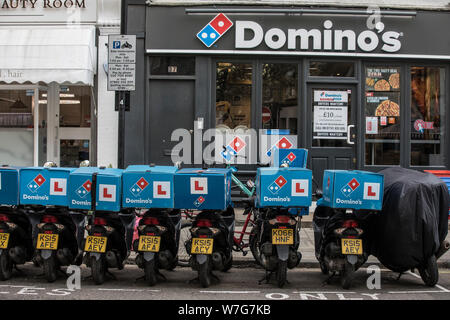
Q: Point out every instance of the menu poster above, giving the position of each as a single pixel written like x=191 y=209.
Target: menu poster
x=382 y=79
x=382 y=104
x=330 y=114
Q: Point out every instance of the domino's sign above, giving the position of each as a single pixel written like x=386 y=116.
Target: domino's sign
x=214 y=30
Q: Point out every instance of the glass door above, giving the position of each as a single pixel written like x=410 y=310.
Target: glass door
x=332 y=113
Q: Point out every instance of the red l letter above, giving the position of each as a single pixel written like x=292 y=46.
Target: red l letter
x=370 y=193
x=106 y=194
x=57 y=189
x=161 y=191
x=297 y=188
x=197 y=186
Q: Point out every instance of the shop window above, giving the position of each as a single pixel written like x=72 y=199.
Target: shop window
x=172 y=66
x=382 y=116
x=233 y=95
x=427 y=125
x=279 y=108
x=16 y=127
x=331 y=69
x=73 y=152
x=75 y=107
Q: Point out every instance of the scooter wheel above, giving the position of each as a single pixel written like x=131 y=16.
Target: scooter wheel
x=347 y=275
x=6 y=266
x=204 y=274
x=150 y=272
x=429 y=272
x=98 y=269
x=228 y=265
x=50 y=269
x=324 y=268
x=254 y=245
x=281 y=273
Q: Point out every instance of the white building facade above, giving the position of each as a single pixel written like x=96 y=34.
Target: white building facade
x=53 y=100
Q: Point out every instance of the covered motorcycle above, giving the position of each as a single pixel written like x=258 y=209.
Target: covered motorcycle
x=410 y=232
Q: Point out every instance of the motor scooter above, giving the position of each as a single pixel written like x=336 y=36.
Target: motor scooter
x=211 y=244
x=279 y=240
x=109 y=239
x=157 y=244
x=16 y=245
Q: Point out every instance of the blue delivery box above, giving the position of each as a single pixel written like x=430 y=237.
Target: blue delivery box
x=292 y=157
x=148 y=187
x=109 y=189
x=200 y=189
x=359 y=190
x=80 y=186
x=9 y=186
x=283 y=187
x=44 y=186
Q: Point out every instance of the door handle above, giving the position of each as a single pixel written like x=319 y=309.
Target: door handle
x=348 y=134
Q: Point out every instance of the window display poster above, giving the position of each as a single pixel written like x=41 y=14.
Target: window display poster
x=382 y=104
x=330 y=114
x=382 y=79
x=371 y=125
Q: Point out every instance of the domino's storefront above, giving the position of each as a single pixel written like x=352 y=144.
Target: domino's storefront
x=356 y=91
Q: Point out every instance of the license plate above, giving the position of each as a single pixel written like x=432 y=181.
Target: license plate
x=202 y=246
x=95 y=244
x=47 y=241
x=149 y=243
x=282 y=236
x=352 y=246
x=4 y=239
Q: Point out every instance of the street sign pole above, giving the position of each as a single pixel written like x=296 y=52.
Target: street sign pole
x=120 y=101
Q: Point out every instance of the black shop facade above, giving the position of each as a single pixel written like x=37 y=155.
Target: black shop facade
x=357 y=91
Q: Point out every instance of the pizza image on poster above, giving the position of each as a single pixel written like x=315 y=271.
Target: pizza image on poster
x=382 y=104
x=382 y=79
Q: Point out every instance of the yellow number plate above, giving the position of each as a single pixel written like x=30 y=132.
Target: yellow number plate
x=4 y=239
x=149 y=243
x=202 y=246
x=282 y=236
x=95 y=244
x=47 y=241
x=351 y=246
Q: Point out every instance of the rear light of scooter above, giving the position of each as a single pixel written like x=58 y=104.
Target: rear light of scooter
x=4 y=218
x=350 y=224
x=151 y=221
x=283 y=219
x=204 y=223
x=49 y=219
x=99 y=222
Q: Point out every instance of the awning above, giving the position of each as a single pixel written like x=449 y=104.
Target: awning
x=62 y=55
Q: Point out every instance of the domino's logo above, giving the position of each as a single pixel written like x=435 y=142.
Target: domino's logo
x=138 y=187
x=283 y=143
x=214 y=30
x=276 y=186
x=348 y=189
x=233 y=148
x=289 y=159
x=36 y=183
x=85 y=189
x=199 y=201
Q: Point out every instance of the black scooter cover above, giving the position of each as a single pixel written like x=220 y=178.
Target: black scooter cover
x=413 y=221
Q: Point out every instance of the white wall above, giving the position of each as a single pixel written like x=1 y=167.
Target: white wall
x=108 y=22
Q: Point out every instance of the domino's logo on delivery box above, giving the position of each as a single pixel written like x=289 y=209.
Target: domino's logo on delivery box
x=276 y=186
x=214 y=30
x=138 y=187
x=36 y=183
x=84 y=190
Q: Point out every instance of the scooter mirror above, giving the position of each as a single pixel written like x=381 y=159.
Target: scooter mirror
x=85 y=163
x=50 y=164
